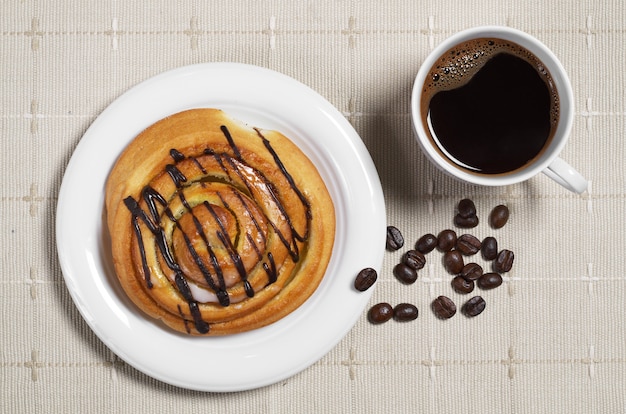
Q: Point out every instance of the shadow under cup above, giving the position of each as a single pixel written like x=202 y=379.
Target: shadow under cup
x=492 y=106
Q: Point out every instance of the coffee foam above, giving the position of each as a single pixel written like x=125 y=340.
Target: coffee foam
x=458 y=65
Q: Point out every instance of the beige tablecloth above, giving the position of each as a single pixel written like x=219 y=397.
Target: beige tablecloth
x=553 y=337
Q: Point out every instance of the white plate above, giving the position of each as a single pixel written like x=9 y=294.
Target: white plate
x=261 y=98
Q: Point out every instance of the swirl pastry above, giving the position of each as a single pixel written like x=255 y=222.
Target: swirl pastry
x=217 y=227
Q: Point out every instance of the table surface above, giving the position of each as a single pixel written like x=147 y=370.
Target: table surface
x=553 y=336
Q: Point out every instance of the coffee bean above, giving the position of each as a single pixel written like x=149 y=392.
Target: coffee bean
x=404 y=312
x=404 y=273
x=462 y=285
x=443 y=307
x=489 y=248
x=466 y=222
x=499 y=216
x=471 y=271
x=414 y=259
x=489 y=280
x=395 y=240
x=446 y=240
x=365 y=279
x=468 y=244
x=380 y=313
x=466 y=208
x=474 y=307
x=453 y=261
x=504 y=261
x=426 y=243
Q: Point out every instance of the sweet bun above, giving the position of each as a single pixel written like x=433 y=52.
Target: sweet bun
x=217 y=227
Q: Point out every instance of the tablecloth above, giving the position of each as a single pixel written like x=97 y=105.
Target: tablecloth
x=551 y=339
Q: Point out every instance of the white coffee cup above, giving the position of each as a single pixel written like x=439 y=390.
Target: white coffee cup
x=548 y=160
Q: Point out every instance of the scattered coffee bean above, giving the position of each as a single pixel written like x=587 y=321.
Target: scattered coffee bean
x=405 y=274
x=466 y=223
x=454 y=247
x=414 y=259
x=468 y=244
x=489 y=280
x=499 y=216
x=471 y=271
x=426 y=243
x=446 y=240
x=489 y=248
x=365 y=279
x=404 y=312
x=380 y=313
x=453 y=261
x=504 y=261
x=466 y=208
x=395 y=240
x=462 y=285
x=443 y=307
x=474 y=307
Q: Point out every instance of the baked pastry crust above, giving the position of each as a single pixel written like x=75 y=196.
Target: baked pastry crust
x=217 y=227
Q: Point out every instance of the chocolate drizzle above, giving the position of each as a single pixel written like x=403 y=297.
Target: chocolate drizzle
x=178 y=177
x=176 y=155
x=183 y=288
x=157 y=206
x=224 y=300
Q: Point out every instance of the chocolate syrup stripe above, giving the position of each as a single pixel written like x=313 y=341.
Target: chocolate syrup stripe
x=152 y=220
x=244 y=203
x=290 y=245
x=201 y=326
x=224 y=300
x=291 y=182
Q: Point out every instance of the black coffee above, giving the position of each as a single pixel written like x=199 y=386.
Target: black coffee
x=490 y=106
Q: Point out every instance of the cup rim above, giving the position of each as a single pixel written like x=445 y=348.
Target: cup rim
x=563 y=86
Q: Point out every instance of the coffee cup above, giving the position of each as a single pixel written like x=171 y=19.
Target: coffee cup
x=493 y=106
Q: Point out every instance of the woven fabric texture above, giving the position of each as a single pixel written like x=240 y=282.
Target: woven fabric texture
x=552 y=338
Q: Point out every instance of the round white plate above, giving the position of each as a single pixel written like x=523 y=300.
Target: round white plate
x=258 y=97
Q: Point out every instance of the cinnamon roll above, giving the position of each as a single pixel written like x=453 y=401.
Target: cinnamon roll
x=217 y=227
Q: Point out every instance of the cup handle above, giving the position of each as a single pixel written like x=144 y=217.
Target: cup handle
x=566 y=175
